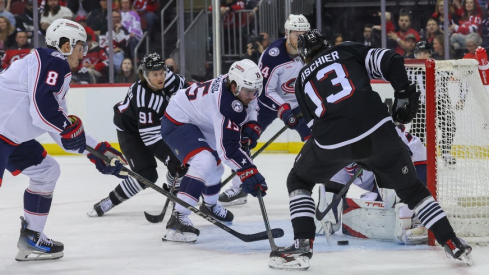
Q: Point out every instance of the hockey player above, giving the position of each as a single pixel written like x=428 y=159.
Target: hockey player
x=279 y=65
x=138 y=123
x=444 y=110
x=351 y=124
x=205 y=125
x=33 y=103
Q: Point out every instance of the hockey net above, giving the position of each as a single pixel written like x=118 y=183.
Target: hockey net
x=453 y=122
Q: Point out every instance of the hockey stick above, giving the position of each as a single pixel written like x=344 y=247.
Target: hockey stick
x=273 y=246
x=272 y=139
x=159 y=218
x=320 y=215
x=276 y=232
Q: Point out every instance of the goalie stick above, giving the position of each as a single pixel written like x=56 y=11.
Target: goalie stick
x=320 y=214
x=276 y=232
x=159 y=218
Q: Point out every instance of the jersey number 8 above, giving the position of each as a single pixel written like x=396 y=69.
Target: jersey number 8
x=52 y=78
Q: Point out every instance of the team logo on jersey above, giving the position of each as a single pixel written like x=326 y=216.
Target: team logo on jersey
x=289 y=86
x=237 y=106
x=274 y=51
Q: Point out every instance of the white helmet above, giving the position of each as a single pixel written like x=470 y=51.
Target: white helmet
x=247 y=75
x=68 y=29
x=296 y=23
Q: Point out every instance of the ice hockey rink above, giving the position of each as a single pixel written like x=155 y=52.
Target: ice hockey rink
x=123 y=242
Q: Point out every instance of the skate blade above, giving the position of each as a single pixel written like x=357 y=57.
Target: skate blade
x=235 y=202
x=467 y=259
x=300 y=263
x=25 y=256
x=176 y=236
x=92 y=213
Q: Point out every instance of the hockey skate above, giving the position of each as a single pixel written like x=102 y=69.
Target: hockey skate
x=233 y=196
x=294 y=257
x=100 y=208
x=217 y=211
x=35 y=246
x=180 y=229
x=460 y=250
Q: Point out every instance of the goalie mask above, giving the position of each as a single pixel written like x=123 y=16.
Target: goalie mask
x=310 y=44
x=64 y=28
x=247 y=75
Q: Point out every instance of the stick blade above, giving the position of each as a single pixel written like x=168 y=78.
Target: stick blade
x=153 y=219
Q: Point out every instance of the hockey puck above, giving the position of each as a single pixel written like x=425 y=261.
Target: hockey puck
x=343 y=242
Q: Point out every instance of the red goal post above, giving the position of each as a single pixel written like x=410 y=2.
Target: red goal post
x=453 y=121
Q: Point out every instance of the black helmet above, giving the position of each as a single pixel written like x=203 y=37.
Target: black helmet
x=310 y=42
x=152 y=62
x=422 y=46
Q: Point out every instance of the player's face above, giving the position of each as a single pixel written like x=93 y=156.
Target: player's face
x=293 y=38
x=422 y=55
x=157 y=78
x=247 y=95
x=77 y=54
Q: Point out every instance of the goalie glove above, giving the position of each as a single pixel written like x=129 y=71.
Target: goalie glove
x=406 y=104
x=116 y=164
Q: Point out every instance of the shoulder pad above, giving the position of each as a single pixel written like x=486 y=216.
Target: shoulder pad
x=231 y=107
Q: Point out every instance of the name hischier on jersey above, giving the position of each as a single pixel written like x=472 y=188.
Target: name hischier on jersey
x=321 y=60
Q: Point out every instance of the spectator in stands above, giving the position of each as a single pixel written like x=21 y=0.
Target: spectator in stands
x=439 y=16
x=120 y=37
x=25 y=20
x=17 y=51
x=172 y=65
x=432 y=30
x=7 y=34
x=404 y=29
x=5 y=13
x=97 y=19
x=82 y=7
x=469 y=22
x=338 y=39
x=52 y=12
x=369 y=37
x=127 y=73
x=472 y=41
x=438 y=47
x=95 y=61
x=132 y=23
x=257 y=46
x=410 y=42
x=147 y=9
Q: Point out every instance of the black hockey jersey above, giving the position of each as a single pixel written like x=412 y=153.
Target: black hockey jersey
x=335 y=95
x=142 y=109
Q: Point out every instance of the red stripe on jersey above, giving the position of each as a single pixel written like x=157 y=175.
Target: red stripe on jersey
x=8 y=141
x=173 y=120
x=195 y=152
x=16 y=172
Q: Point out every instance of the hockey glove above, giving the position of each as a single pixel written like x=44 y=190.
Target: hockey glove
x=250 y=133
x=117 y=161
x=252 y=181
x=406 y=104
x=73 y=136
x=286 y=115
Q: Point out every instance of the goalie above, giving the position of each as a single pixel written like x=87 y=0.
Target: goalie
x=378 y=208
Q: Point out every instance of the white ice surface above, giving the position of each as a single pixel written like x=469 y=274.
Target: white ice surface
x=123 y=242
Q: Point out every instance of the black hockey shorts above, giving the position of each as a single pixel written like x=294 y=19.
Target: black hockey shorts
x=382 y=152
x=137 y=154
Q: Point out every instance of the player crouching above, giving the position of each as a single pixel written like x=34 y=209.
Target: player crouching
x=204 y=125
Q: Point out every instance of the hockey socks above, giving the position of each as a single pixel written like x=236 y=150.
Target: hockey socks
x=125 y=190
x=433 y=217
x=302 y=211
x=36 y=208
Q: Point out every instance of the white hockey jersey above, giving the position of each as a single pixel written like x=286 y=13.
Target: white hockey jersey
x=33 y=97
x=219 y=115
x=279 y=73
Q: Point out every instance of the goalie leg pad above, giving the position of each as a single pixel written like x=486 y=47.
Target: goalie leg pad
x=332 y=220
